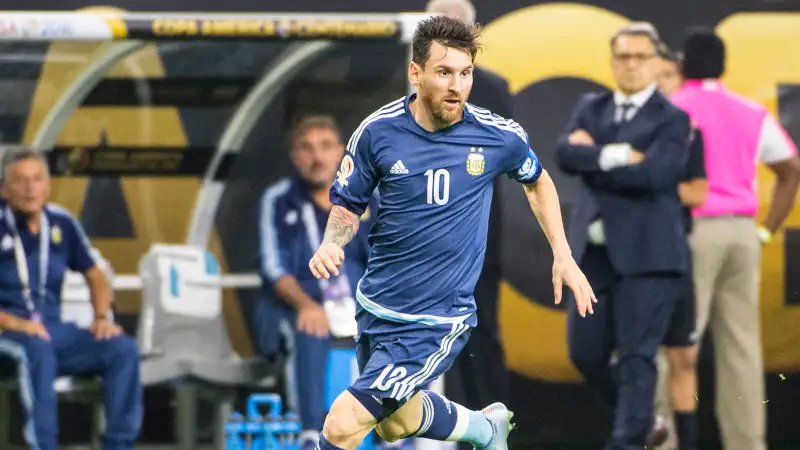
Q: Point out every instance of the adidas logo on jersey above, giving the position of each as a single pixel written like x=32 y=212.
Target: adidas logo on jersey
x=398 y=168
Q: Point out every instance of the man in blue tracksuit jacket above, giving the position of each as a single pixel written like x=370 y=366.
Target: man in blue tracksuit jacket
x=308 y=312
x=39 y=242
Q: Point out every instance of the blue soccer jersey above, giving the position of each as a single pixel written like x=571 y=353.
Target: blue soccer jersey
x=429 y=240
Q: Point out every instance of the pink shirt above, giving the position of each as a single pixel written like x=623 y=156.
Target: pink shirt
x=738 y=133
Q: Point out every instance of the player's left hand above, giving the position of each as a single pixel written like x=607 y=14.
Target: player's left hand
x=104 y=329
x=567 y=272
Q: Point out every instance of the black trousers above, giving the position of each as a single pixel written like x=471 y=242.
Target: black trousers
x=480 y=368
x=631 y=318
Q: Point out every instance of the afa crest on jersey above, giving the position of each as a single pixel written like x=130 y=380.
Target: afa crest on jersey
x=345 y=170
x=55 y=235
x=475 y=161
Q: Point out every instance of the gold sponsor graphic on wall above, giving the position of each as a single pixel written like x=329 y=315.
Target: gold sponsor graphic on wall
x=571 y=40
x=274 y=28
x=116 y=160
x=160 y=208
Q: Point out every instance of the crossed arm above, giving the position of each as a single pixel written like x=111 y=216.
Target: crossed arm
x=621 y=168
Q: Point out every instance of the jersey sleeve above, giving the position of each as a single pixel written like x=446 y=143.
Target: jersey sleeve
x=524 y=166
x=357 y=176
x=79 y=249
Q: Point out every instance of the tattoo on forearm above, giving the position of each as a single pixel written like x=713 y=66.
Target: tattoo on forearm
x=342 y=226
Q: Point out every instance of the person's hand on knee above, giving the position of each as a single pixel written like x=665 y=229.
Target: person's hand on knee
x=34 y=328
x=104 y=329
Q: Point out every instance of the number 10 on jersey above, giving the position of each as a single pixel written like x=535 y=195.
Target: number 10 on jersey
x=438 y=186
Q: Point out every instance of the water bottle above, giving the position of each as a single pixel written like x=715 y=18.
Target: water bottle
x=233 y=433
x=290 y=433
x=272 y=430
x=255 y=433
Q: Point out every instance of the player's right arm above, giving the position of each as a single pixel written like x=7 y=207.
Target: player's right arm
x=342 y=226
x=350 y=195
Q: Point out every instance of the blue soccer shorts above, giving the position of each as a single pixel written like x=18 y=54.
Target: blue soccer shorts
x=396 y=360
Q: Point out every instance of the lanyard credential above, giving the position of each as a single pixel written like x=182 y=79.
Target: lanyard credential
x=337 y=297
x=22 y=260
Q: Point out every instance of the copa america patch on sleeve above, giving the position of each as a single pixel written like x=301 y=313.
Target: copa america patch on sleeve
x=345 y=170
x=528 y=169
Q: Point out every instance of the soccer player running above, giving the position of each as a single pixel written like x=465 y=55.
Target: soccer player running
x=433 y=158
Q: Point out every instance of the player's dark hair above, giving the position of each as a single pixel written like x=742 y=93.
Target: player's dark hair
x=310 y=122
x=703 y=55
x=448 y=31
x=14 y=155
x=644 y=29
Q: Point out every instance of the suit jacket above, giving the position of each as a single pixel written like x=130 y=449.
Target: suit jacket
x=638 y=204
x=490 y=91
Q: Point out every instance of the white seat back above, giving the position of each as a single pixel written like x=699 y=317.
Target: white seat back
x=76 y=300
x=188 y=280
x=181 y=303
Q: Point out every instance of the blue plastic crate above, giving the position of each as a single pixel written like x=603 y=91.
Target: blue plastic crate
x=274 y=430
x=258 y=431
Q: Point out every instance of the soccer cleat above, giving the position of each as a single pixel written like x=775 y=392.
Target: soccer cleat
x=308 y=440
x=500 y=417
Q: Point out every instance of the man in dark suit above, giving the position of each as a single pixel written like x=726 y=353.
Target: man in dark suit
x=630 y=149
x=480 y=369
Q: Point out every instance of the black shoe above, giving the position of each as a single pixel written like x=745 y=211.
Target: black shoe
x=658 y=434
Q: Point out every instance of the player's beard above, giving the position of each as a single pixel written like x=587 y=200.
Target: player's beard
x=439 y=114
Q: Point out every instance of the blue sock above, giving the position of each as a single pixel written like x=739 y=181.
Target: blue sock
x=325 y=445
x=443 y=420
